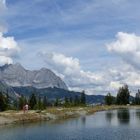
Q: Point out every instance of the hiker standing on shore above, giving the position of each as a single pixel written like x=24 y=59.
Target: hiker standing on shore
x=25 y=108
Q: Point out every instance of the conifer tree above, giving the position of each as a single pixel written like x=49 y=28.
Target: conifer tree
x=56 y=102
x=137 y=98
x=71 y=100
x=40 y=103
x=32 y=101
x=109 y=99
x=76 y=100
x=22 y=102
x=2 y=102
x=123 y=95
x=66 y=102
x=45 y=102
x=83 y=98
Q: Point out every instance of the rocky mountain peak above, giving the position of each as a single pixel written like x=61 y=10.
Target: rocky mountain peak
x=15 y=75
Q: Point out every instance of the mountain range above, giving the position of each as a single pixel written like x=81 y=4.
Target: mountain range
x=17 y=76
x=16 y=80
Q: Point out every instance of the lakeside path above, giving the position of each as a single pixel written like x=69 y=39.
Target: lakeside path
x=54 y=113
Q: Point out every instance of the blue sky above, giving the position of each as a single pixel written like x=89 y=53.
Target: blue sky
x=79 y=32
x=92 y=19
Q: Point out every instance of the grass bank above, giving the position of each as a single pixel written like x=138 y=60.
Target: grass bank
x=53 y=113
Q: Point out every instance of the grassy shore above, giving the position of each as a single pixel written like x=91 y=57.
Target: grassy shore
x=53 y=113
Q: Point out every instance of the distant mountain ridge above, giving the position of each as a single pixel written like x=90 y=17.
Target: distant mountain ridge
x=4 y=88
x=15 y=75
x=15 y=80
x=50 y=93
x=53 y=93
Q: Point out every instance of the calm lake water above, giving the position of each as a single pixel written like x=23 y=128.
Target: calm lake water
x=107 y=125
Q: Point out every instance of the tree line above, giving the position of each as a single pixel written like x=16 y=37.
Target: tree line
x=37 y=102
x=72 y=102
x=123 y=97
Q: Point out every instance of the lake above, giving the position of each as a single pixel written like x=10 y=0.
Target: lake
x=123 y=124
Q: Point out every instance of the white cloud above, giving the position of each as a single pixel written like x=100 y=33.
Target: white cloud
x=5 y=60
x=8 y=49
x=8 y=46
x=127 y=46
x=108 y=78
x=70 y=70
x=115 y=84
x=101 y=82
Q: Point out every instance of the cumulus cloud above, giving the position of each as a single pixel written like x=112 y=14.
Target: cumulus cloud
x=127 y=76
x=70 y=70
x=127 y=46
x=8 y=46
x=8 y=49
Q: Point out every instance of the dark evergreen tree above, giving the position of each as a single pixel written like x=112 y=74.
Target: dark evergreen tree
x=3 y=104
x=123 y=95
x=8 y=100
x=66 y=102
x=71 y=100
x=32 y=101
x=109 y=99
x=16 y=104
x=137 y=98
x=45 y=102
x=83 y=98
x=21 y=102
x=39 y=103
x=76 y=101
x=57 y=102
